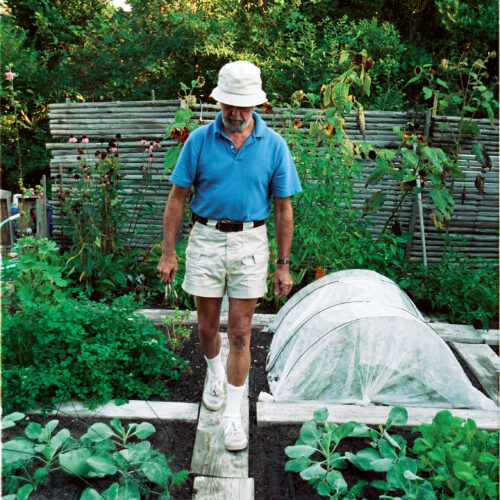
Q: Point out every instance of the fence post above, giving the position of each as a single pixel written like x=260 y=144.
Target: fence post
x=41 y=212
x=417 y=206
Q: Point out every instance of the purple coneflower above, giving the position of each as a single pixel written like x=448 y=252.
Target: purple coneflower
x=85 y=139
x=72 y=138
x=9 y=75
x=151 y=158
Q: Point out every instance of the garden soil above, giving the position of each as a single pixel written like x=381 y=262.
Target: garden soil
x=266 y=447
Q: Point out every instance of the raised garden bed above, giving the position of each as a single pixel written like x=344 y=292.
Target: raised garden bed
x=266 y=458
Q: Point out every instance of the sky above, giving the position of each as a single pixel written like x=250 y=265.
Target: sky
x=121 y=3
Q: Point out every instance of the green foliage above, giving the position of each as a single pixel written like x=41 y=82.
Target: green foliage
x=176 y=333
x=315 y=457
x=38 y=276
x=462 y=289
x=86 y=350
x=459 y=459
x=450 y=460
x=85 y=49
x=104 y=221
x=103 y=451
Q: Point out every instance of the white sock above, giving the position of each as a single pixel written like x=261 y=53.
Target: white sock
x=233 y=401
x=215 y=366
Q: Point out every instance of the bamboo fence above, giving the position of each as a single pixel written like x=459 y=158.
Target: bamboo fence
x=475 y=217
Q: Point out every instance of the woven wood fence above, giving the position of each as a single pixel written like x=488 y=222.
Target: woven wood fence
x=475 y=216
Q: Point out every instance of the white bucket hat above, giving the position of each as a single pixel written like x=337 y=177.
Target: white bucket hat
x=239 y=84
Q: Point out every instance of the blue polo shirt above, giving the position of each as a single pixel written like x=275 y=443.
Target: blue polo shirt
x=231 y=184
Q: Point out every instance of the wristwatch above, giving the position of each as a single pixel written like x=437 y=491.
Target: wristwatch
x=283 y=261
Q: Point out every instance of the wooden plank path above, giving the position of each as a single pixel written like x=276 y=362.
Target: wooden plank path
x=484 y=363
x=222 y=474
x=218 y=488
x=272 y=413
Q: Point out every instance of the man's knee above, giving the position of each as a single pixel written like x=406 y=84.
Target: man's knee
x=239 y=337
x=208 y=331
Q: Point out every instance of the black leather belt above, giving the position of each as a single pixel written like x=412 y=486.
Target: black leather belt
x=228 y=226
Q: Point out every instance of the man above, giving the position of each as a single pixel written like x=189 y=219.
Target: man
x=235 y=165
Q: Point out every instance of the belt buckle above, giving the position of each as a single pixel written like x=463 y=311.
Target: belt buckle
x=227 y=222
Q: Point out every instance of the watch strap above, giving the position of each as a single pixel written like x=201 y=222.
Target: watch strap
x=283 y=261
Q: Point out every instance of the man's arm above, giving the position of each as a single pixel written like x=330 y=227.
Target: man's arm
x=283 y=226
x=172 y=217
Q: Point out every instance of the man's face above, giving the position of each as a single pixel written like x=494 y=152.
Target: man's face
x=236 y=118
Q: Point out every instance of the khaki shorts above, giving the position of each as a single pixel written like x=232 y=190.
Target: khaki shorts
x=235 y=262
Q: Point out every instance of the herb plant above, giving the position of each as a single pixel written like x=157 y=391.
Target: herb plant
x=92 y=351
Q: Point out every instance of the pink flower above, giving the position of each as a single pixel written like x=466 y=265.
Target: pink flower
x=103 y=183
x=151 y=158
x=143 y=167
x=114 y=149
x=144 y=142
x=72 y=138
x=98 y=156
x=85 y=139
x=9 y=75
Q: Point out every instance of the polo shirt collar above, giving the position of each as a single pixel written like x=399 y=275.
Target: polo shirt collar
x=259 y=130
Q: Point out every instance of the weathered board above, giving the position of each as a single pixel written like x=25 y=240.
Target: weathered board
x=210 y=458
x=218 y=488
x=457 y=333
x=484 y=363
x=490 y=337
x=272 y=413
x=163 y=410
x=158 y=316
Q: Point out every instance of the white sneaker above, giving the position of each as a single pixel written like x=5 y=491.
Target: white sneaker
x=214 y=393
x=235 y=438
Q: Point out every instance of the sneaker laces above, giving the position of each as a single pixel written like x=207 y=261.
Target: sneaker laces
x=216 y=386
x=233 y=428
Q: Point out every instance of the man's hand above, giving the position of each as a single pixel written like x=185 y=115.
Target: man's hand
x=167 y=267
x=283 y=281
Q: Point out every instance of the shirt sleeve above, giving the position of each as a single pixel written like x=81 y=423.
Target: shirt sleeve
x=184 y=173
x=285 y=181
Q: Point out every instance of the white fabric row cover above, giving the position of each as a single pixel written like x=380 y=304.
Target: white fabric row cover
x=354 y=337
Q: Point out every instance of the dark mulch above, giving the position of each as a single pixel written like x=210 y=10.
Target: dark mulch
x=266 y=459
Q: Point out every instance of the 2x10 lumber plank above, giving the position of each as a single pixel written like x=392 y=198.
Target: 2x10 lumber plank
x=134 y=409
x=218 y=488
x=273 y=413
x=210 y=458
x=484 y=363
x=158 y=316
x=490 y=337
x=457 y=333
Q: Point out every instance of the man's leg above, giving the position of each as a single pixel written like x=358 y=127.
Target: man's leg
x=208 y=324
x=238 y=331
x=238 y=364
x=210 y=342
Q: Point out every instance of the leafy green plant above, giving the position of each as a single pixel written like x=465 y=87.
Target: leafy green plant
x=102 y=220
x=38 y=278
x=386 y=453
x=176 y=333
x=92 y=351
x=459 y=459
x=104 y=450
x=462 y=289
